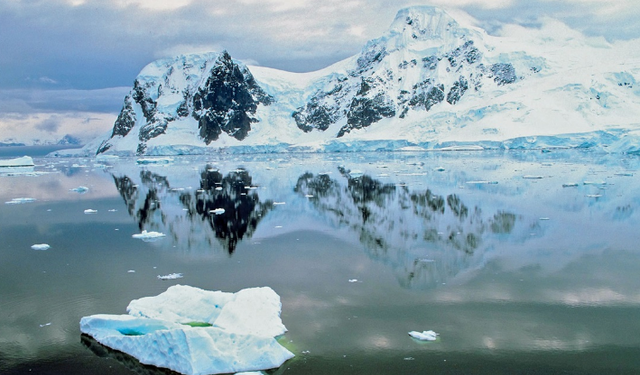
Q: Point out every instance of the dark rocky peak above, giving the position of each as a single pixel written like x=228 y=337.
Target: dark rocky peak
x=220 y=93
x=227 y=101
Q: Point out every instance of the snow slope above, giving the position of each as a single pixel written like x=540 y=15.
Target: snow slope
x=431 y=81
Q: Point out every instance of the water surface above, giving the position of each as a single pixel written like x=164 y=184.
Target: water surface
x=522 y=262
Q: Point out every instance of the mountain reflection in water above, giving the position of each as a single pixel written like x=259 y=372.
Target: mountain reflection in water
x=228 y=205
x=424 y=236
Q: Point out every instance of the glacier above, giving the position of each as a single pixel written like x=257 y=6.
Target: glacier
x=432 y=81
x=196 y=332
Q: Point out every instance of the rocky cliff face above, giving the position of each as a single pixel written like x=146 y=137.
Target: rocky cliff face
x=220 y=94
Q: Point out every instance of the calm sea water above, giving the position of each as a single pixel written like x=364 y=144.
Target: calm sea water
x=522 y=262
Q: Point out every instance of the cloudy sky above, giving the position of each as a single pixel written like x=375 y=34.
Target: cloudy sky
x=66 y=64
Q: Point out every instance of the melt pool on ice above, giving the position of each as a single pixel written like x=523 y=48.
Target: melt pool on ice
x=206 y=332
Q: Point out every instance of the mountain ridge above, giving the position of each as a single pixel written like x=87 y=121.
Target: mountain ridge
x=429 y=82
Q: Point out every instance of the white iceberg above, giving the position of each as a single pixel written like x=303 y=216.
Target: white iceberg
x=144 y=161
x=25 y=161
x=148 y=236
x=206 y=332
x=20 y=200
x=218 y=211
x=424 y=335
x=171 y=276
x=41 y=247
x=90 y=211
x=80 y=189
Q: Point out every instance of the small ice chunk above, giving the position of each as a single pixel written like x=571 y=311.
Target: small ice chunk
x=20 y=200
x=353 y=280
x=594 y=182
x=482 y=182
x=131 y=271
x=80 y=189
x=148 y=236
x=171 y=276
x=217 y=211
x=424 y=335
x=145 y=161
x=41 y=247
x=90 y=211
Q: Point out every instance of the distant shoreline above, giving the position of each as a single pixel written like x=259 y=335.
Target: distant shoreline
x=15 y=151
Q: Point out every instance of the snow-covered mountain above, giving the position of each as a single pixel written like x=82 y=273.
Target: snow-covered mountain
x=432 y=81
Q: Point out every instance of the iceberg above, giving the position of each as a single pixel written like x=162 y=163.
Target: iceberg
x=206 y=332
x=424 y=335
x=80 y=189
x=144 y=161
x=41 y=247
x=90 y=211
x=148 y=236
x=20 y=200
x=171 y=276
x=25 y=161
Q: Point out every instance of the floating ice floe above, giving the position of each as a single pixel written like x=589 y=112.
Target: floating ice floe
x=20 y=200
x=482 y=182
x=25 y=161
x=41 y=247
x=148 y=236
x=424 y=335
x=154 y=161
x=90 y=211
x=206 y=332
x=80 y=189
x=106 y=158
x=594 y=183
x=171 y=276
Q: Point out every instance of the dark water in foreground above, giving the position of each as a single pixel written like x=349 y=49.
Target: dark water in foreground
x=524 y=263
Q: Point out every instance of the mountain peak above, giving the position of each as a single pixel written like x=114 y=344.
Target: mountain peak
x=427 y=26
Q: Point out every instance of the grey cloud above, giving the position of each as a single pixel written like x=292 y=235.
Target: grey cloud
x=50 y=125
x=108 y=100
x=99 y=44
